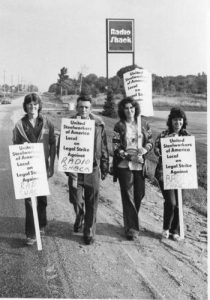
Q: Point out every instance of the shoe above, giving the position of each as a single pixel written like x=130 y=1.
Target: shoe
x=78 y=223
x=176 y=237
x=132 y=234
x=88 y=239
x=30 y=241
x=165 y=234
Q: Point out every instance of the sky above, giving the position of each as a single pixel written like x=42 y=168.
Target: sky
x=39 y=37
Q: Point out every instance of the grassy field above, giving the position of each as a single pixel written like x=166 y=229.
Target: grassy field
x=196 y=198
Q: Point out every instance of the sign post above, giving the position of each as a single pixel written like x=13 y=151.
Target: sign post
x=179 y=167
x=36 y=223
x=181 y=217
x=119 y=39
x=29 y=176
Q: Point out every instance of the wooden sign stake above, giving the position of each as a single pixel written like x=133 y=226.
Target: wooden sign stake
x=36 y=222
x=181 y=220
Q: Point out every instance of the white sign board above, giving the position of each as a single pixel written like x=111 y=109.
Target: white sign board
x=138 y=85
x=29 y=170
x=76 y=146
x=179 y=162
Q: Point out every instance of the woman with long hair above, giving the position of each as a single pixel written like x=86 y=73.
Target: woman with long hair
x=129 y=165
x=176 y=123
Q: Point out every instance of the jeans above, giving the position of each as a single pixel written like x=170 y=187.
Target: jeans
x=42 y=215
x=132 y=186
x=86 y=196
x=171 y=210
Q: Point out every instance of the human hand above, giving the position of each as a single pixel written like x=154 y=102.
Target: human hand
x=137 y=159
x=142 y=151
x=103 y=176
x=157 y=152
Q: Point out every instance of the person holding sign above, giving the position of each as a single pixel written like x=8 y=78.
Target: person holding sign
x=176 y=123
x=132 y=140
x=35 y=128
x=84 y=187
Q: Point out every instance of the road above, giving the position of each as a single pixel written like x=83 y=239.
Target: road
x=110 y=268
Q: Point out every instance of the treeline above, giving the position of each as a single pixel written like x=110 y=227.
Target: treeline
x=190 y=84
x=92 y=84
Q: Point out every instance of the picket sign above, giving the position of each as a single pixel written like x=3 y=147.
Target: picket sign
x=179 y=168
x=29 y=176
x=181 y=218
x=36 y=223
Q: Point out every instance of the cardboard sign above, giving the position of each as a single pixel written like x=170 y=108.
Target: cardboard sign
x=29 y=170
x=179 y=162
x=138 y=85
x=76 y=146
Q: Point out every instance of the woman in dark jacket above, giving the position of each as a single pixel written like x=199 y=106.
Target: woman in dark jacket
x=176 y=123
x=129 y=161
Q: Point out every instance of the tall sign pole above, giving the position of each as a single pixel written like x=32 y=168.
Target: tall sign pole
x=119 y=39
x=107 y=56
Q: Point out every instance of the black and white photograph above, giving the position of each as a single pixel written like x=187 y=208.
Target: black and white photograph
x=103 y=169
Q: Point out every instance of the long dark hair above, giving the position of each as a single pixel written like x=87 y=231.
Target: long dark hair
x=121 y=107
x=32 y=97
x=176 y=112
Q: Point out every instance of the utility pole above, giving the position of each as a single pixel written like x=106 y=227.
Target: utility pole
x=4 y=83
x=84 y=69
x=12 y=86
x=18 y=84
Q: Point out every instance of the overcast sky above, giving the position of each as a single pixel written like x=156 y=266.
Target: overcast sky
x=39 y=37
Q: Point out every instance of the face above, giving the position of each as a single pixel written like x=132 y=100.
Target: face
x=129 y=111
x=177 y=124
x=32 y=108
x=84 y=109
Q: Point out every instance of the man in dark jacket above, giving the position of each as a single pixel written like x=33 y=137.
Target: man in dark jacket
x=84 y=188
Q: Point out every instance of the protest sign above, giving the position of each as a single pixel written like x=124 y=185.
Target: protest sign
x=29 y=176
x=138 y=85
x=179 y=162
x=76 y=146
x=28 y=170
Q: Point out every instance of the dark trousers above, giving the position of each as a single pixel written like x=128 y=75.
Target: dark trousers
x=132 y=186
x=42 y=215
x=85 y=199
x=171 y=210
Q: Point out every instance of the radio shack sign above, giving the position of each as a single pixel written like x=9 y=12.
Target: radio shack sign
x=120 y=35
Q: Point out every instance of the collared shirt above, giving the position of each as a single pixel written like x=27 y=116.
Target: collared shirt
x=32 y=133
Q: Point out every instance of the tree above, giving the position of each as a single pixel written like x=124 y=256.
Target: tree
x=115 y=83
x=101 y=84
x=63 y=75
x=53 y=88
x=157 y=84
x=109 y=106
